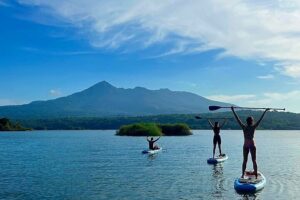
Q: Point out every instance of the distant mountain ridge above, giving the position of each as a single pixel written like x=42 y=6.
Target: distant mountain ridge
x=103 y=100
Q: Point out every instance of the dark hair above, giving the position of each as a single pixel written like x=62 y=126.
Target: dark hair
x=250 y=120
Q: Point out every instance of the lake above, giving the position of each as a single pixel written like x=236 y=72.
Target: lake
x=99 y=165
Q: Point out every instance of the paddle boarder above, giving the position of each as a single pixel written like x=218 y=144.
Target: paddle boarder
x=151 y=143
x=217 y=138
x=249 y=144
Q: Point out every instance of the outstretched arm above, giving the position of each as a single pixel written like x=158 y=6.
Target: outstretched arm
x=237 y=117
x=211 y=125
x=148 y=139
x=157 y=139
x=224 y=122
x=262 y=116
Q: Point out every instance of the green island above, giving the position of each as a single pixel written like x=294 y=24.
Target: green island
x=153 y=129
x=7 y=125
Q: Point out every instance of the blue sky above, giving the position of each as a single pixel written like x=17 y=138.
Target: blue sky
x=242 y=52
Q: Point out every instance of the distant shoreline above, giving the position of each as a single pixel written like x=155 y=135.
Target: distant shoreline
x=113 y=131
x=272 y=121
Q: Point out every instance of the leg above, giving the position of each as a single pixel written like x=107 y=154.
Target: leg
x=219 y=145
x=214 y=150
x=215 y=144
x=245 y=159
x=253 y=156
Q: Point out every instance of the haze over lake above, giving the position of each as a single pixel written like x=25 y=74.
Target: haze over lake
x=100 y=165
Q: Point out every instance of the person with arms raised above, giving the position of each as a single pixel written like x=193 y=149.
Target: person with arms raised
x=217 y=138
x=249 y=144
x=151 y=143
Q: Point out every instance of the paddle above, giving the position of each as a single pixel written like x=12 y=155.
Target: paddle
x=212 y=108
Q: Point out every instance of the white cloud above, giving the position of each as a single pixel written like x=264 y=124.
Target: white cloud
x=291 y=70
x=268 y=76
x=289 y=100
x=260 y=30
x=55 y=92
x=231 y=98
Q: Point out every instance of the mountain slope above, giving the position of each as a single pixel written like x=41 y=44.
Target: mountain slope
x=104 y=99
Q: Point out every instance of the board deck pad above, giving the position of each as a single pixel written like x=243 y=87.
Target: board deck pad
x=249 y=177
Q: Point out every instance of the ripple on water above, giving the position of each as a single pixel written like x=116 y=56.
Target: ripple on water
x=99 y=165
x=283 y=181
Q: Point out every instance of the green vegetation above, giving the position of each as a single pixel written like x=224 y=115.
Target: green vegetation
x=175 y=129
x=142 y=129
x=7 y=125
x=272 y=121
x=152 y=129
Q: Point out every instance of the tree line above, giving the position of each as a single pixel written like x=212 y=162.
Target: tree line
x=272 y=121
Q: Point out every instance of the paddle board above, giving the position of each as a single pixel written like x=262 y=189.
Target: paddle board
x=151 y=151
x=249 y=183
x=218 y=159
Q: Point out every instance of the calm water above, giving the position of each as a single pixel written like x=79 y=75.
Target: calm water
x=99 y=165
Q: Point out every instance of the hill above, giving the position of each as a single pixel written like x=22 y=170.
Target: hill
x=105 y=100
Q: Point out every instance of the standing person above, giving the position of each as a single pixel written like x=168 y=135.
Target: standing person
x=217 y=138
x=151 y=143
x=249 y=144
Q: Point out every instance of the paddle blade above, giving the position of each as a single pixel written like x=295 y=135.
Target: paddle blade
x=211 y=108
x=198 y=117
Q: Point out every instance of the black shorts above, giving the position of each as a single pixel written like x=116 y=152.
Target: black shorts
x=217 y=139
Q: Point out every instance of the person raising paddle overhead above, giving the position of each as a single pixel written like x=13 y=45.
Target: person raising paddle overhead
x=217 y=138
x=151 y=143
x=249 y=144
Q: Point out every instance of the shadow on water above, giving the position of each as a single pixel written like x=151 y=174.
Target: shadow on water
x=248 y=196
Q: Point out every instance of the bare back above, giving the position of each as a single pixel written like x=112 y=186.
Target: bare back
x=216 y=130
x=249 y=132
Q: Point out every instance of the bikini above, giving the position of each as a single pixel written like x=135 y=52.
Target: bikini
x=249 y=136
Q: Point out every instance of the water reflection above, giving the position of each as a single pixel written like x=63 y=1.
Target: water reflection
x=218 y=181
x=217 y=170
x=248 y=196
x=152 y=156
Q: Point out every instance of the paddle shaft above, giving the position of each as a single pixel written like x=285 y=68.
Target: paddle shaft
x=249 y=108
